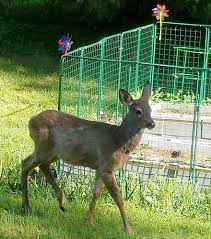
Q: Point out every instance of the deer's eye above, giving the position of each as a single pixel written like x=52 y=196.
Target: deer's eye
x=139 y=112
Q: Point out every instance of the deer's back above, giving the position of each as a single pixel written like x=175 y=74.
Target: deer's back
x=75 y=140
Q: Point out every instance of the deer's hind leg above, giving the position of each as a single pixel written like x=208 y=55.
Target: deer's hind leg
x=27 y=165
x=58 y=191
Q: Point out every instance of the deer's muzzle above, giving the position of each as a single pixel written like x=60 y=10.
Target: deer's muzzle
x=150 y=125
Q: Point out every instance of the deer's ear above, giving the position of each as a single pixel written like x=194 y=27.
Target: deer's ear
x=125 y=97
x=146 y=91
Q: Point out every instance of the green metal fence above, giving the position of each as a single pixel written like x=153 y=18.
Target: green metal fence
x=178 y=66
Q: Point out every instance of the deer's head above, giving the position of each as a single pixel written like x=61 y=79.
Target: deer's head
x=139 y=110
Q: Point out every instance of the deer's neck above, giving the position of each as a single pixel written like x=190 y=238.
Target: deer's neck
x=128 y=134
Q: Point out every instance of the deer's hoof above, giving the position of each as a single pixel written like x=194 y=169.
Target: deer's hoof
x=129 y=230
x=26 y=210
x=89 y=218
x=62 y=208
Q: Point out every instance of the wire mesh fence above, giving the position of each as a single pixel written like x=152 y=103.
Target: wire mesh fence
x=179 y=68
x=145 y=171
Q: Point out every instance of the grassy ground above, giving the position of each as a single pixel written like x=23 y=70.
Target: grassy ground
x=27 y=86
x=46 y=221
x=25 y=89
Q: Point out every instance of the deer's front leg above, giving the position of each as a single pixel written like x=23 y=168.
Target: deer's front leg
x=111 y=185
x=96 y=193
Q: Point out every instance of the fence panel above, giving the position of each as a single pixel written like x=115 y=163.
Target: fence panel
x=178 y=67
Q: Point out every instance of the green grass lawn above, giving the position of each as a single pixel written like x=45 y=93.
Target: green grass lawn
x=47 y=221
x=28 y=86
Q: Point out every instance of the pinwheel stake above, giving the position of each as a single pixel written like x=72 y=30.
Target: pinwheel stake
x=160 y=12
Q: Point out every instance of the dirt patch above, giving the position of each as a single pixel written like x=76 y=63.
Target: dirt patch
x=147 y=152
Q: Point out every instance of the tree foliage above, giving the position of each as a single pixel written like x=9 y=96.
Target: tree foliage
x=197 y=11
x=103 y=11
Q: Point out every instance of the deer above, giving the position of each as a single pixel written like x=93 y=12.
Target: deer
x=100 y=146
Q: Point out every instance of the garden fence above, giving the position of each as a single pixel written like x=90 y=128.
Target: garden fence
x=179 y=69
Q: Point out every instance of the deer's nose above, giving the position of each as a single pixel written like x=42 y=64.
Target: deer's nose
x=150 y=125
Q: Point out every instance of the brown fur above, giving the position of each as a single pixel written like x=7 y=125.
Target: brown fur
x=100 y=146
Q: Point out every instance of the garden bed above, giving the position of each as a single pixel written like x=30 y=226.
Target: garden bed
x=171 y=139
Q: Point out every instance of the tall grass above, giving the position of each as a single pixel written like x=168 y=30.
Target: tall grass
x=159 y=194
x=47 y=221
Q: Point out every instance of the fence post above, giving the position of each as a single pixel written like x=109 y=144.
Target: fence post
x=153 y=54
x=60 y=83
x=100 y=83
x=183 y=73
x=200 y=94
x=175 y=74
x=137 y=60
x=119 y=75
x=206 y=59
x=195 y=130
x=125 y=109
x=58 y=163
x=80 y=83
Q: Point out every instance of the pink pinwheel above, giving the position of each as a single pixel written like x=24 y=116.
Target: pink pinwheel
x=160 y=12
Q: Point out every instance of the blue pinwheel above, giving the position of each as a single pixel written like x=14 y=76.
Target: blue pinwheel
x=65 y=44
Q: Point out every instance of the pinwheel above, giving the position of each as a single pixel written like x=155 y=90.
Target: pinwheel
x=160 y=12
x=65 y=44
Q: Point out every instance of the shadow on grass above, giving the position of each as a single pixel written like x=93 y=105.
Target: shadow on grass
x=31 y=72
x=29 y=52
